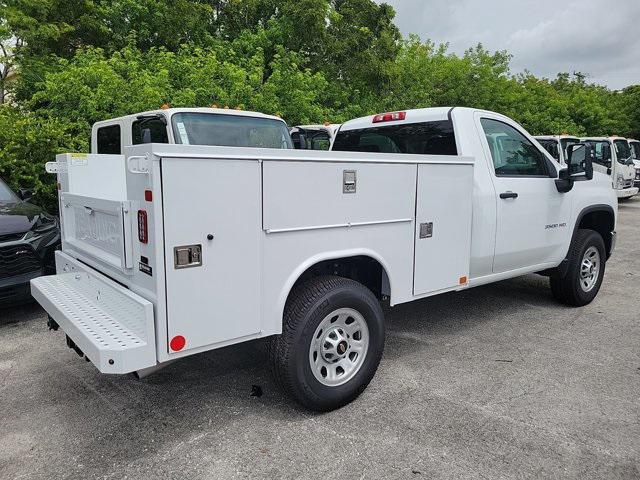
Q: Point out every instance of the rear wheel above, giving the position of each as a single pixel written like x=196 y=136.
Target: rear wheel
x=582 y=281
x=331 y=343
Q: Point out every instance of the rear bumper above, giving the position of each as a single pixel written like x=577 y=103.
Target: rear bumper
x=112 y=326
x=627 y=192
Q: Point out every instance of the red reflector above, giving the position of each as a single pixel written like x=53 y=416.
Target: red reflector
x=143 y=231
x=177 y=343
x=148 y=195
x=389 y=117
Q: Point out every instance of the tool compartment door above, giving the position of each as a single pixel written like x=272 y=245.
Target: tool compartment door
x=218 y=301
x=443 y=227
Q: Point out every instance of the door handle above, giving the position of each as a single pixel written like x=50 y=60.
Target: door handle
x=506 y=195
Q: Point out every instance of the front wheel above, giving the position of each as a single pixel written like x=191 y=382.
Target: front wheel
x=582 y=281
x=331 y=344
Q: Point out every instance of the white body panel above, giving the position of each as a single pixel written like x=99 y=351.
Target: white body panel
x=273 y=214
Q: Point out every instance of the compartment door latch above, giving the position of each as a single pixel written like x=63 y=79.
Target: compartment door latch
x=187 y=256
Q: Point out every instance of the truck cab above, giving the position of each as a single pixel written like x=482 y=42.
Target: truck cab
x=314 y=137
x=557 y=145
x=635 y=155
x=190 y=126
x=613 y=157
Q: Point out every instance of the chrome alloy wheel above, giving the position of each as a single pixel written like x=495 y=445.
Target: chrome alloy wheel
x=339 y=347
x=589 y=269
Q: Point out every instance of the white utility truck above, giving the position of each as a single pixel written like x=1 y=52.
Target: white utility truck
x=557 y=146
x=190 y=126
x=613 y=157
x=173 y=250
x=635 y=154
x=314 y=137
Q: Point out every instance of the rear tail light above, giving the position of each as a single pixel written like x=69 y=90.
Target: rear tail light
x=143 y=229
x=389 y=117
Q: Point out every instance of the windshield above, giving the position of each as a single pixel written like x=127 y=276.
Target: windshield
x=623 y=152
x=550 y=146
x=565 y=142
x=602 y=151
x=635 y=150
x=6 y=195
x=431 y=138
x=230 y=131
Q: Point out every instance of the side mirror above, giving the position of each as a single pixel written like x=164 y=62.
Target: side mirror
x=580 y=160
x=606 y=154
x=25 y=194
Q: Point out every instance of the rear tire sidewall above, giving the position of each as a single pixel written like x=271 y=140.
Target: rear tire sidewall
x=343 y=297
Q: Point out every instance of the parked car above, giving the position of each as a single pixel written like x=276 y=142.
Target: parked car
x=557 y=145
x=613 y=157
x=314 y=137
x=635 y=154
x=28 y=238
x=194 y=248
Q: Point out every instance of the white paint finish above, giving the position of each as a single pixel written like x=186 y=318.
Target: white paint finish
x=111 y=325
x=309 y=194
x=220 y=300
x=441 y=260
x=98 y=176
x=287 y=255
x=99 y=228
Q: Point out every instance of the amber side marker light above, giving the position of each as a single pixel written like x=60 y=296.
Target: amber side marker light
x=463 y=280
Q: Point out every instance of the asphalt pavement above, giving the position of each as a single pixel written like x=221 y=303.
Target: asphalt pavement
x=495 y=382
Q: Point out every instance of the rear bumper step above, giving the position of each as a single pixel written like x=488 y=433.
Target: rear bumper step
x=111 y=325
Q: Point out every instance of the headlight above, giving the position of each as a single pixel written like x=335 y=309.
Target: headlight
x=620 y=182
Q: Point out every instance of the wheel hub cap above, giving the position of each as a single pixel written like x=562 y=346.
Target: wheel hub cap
x=590 y=269
x=339 y=347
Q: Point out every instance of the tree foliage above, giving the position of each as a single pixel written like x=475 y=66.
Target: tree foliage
x=79 y=61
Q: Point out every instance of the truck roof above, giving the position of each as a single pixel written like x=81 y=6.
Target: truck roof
x=603 y=139
x=169 y=112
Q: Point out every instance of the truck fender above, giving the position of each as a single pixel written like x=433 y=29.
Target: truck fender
x=324 y=256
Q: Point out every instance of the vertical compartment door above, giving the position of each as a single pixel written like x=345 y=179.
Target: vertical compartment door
x=443 y=227
x=213 y=289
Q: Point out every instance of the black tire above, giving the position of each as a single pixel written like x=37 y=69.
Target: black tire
x=567 y=289
x=308 y=305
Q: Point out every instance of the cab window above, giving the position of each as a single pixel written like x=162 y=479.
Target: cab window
x=108 y=139
x=428 y=138
x=157 y=130
x=623 y=152
x=551 y=146
x=512 y=153
x=602 y=151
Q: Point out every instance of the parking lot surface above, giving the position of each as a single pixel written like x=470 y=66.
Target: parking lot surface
x=494 y=382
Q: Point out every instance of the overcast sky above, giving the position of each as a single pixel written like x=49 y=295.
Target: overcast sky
x=598 y=37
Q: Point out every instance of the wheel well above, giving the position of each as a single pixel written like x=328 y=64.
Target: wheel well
x=603 y=222
x=363 y=269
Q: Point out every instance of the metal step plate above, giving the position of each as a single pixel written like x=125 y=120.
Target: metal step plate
x=110 y=324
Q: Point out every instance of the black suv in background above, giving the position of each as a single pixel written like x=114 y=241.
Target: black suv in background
x=28 y=238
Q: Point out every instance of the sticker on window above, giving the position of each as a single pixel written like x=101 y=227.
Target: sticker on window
x=184 y=138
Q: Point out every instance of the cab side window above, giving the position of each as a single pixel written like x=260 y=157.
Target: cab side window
x=512 y=153
x=109 y=139
x=157 y=130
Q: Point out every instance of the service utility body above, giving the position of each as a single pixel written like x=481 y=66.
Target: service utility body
x=173 y=249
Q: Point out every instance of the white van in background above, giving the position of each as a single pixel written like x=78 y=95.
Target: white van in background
x=557 y=145
x=190 y=126
x=314 y=137
x=613 y=157
x=635 y=155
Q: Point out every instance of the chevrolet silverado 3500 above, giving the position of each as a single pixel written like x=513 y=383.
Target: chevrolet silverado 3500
x=172 y=250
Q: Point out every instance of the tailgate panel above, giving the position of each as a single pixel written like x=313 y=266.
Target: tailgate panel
x=99 y=228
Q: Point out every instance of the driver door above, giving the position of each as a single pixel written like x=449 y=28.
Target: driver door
x=532 y=216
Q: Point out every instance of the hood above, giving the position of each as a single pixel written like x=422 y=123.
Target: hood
x=18 y=217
